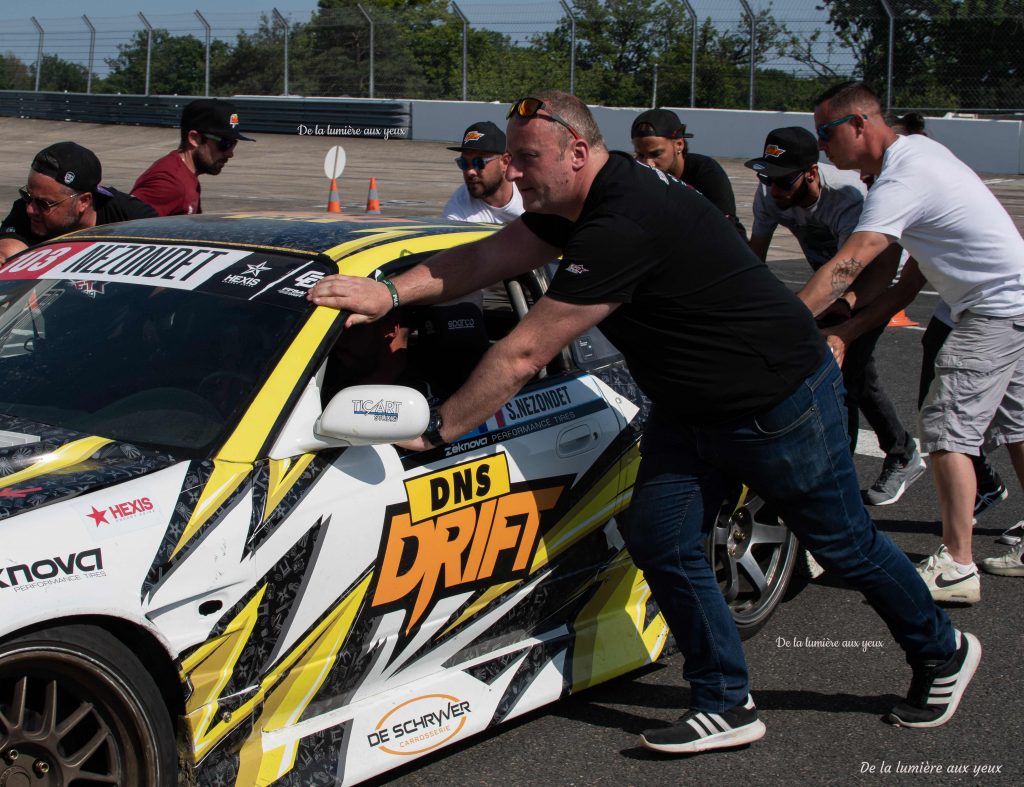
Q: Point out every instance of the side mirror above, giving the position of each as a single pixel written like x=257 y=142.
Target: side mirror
x=371 y=414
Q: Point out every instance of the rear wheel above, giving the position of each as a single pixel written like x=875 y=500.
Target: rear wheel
x=78 y=708
x=753 y=555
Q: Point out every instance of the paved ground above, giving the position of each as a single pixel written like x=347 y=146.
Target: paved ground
x=822 y=702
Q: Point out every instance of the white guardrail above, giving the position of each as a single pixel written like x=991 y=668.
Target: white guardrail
x=987 y=146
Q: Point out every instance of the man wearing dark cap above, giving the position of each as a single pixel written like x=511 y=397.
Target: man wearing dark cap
x=821 y=206
x=485 y=196
x=209 y=133
x=659 y=141
x=63 y=194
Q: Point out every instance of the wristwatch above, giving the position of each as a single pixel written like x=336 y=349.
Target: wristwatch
x=433 y=431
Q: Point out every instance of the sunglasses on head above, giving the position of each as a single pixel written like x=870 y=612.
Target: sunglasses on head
x=40 y=204
x=823 y=129
x=785 y=182
x=477 y=162
x=223 y=143
x=530 y=108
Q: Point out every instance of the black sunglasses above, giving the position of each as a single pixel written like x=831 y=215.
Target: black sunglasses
x=40 y=204
x=785 y=183
x=223 y=143
x=477 y=163
x=530 y=108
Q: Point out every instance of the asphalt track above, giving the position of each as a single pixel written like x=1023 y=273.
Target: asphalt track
x=824 y=670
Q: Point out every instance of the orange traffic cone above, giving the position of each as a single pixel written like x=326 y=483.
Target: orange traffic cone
x=333 y=201
x=901 y=320
x=372 y=200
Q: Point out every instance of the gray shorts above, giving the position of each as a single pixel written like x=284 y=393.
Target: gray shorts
x=977 y=396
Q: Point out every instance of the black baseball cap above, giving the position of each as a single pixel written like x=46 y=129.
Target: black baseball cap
x=212 y=116
x=483 y=136
x=71 y=165
x=786 y=150
x=659 y=123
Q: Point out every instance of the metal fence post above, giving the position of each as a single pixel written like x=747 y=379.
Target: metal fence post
x=750 y=15
x=370 y=20
x=149 y=47
x=465 y=49
x=572 y=47
x=206 y=25
x=39 y=51
x=654 y=88
x=279 y=19
x=92 y=52
x=693 y=53
x=888 y=68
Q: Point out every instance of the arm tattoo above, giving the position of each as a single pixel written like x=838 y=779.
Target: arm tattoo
x=843 y=275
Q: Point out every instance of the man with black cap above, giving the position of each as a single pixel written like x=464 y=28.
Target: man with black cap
x=209 y=133
x=659 y=141
x=821 y=206
x=63 y=194
x=485 y=196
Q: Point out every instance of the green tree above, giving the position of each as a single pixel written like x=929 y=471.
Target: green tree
x=14 y=75
x=946 y=53
x=178 y=65
x=57 y=74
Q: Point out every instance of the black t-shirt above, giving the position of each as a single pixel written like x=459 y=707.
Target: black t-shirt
x=708 y=332
x=111 y=205
x=707 y=176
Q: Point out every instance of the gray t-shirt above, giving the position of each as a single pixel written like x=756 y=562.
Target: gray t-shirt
x=822 y=228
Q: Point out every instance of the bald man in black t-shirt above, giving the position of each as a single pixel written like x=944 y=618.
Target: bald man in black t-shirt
x=741 y=385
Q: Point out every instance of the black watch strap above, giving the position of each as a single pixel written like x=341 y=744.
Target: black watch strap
x=433 y=431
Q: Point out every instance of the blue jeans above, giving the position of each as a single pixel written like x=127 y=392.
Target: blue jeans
x=795 y=456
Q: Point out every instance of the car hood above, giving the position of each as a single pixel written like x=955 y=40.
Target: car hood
x=42 y=464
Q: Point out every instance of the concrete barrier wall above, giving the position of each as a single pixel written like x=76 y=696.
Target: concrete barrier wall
x=990 y=146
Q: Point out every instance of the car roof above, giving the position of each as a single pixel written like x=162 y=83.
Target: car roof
x=336 y=235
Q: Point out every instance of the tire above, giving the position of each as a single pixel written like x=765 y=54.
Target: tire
x=75 y=701
x=753 y=555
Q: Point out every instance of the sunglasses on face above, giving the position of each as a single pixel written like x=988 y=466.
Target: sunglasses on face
x=823 y=129
x=477 y=163
x=223 y=143
x=785 y=183
x=42 y=205
x=530 y=108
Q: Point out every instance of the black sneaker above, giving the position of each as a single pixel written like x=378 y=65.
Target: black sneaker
x=936 y=688
x=895 y=479
x=697 y=731
x=987 y=499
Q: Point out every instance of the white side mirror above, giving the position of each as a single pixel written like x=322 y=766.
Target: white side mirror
x=370 y=414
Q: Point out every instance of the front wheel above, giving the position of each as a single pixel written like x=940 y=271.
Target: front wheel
x=753 y=555
x=78 y=707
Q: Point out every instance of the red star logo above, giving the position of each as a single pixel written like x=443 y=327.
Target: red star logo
x=98 y=516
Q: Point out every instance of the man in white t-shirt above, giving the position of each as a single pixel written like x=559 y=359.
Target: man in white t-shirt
x=821 y=205
x=967 y=246
x=485 y=196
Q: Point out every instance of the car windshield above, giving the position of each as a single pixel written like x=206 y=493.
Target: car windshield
x=167 y=368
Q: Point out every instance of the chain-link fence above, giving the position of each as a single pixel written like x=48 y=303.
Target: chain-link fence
x=961 y=55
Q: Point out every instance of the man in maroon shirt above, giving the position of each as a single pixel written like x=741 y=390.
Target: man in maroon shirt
x=209 y=133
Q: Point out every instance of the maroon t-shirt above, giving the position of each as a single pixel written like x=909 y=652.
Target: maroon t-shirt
x=169 y=186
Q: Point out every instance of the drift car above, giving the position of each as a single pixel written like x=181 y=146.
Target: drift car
x=210 y=551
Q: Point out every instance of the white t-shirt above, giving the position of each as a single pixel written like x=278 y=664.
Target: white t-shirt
x=938 y=209
x=824 y=226
x=462 y=207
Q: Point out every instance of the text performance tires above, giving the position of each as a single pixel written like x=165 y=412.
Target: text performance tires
x=752 y=554
x=78 y=708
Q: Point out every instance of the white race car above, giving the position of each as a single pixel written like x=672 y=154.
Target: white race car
x=211 y=552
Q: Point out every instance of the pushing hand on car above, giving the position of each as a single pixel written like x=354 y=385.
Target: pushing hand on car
x=366 y=299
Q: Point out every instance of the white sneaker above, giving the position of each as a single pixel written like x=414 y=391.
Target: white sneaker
x=1009 y=565
x=945 y=582
x=1012 y=536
